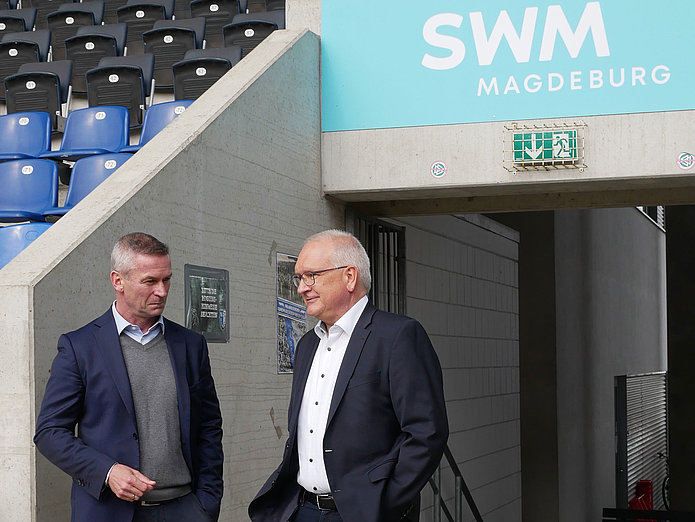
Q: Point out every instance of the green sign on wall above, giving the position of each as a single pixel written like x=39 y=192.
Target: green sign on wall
x=545 y=146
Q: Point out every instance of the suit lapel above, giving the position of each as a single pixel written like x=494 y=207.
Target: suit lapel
x=352 y=356
x=177 y=353
x=107 y=338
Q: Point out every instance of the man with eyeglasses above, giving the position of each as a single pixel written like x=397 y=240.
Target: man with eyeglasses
x=367 y=420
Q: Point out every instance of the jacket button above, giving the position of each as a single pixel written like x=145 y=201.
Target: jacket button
x=135 y=436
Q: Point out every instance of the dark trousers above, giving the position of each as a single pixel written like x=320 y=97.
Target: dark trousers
x=184 y=509
x=308 y=512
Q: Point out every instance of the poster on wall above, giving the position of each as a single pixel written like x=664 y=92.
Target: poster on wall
x=291 y=313
x=207 y=302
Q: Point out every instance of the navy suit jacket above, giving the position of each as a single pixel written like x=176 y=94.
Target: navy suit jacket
x=387 y=425
x=89 y=387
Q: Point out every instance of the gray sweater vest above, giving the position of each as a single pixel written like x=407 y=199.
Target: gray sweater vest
x=153 y=387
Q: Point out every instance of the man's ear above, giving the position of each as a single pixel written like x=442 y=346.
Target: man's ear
x=117 y=281
x=351 y=278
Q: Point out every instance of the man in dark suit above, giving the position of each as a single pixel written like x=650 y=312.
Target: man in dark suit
x=139 y=389
x=367 y=420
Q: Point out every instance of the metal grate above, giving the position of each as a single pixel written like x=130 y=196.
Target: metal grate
x=531 y=147
x=385 y=245
x=641 y=434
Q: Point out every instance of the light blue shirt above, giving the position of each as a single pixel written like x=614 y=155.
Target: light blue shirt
x=133 y=331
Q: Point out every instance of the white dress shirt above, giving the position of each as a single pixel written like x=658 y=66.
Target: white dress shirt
x=318 y=392
x=133 y=331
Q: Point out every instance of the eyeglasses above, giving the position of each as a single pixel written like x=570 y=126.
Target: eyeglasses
x=309 y=277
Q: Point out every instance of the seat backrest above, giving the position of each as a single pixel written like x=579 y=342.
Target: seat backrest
x=15 y=238
x=117 y=31
x=43 y=9
x=159 y=116
x=89 y=172
x=28 y=185
x=144 y=61
x=22 y=19
x=103 y=127
x=61 y=68
x=41 y=38
x=168 y=5
x=95 y=7
x=25 y=132
x=218 y=13
x=34 y=91
x=195 y=24
x=231 y=53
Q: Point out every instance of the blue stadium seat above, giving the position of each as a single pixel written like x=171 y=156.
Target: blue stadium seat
x=93 y=130
x=14 y=20
x=43 y=8
x=29 y=187
x=15 y=238
x=24 y=135
x=156 y=118
x=87 y=173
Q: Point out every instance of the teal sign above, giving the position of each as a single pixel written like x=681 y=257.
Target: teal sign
x=545 y=147
x=399 y=63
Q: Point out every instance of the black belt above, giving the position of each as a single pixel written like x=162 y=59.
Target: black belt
x=323 y=501
x=146 y=503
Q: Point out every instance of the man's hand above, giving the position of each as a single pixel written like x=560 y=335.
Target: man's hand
x=128 y=483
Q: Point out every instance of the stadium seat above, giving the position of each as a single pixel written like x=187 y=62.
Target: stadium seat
x=40 y=86
x=29 y=186
x=24 y=135
x=122 y=80
x=181 y=9
x=140 y=15
x=15 y=238
x=64 y=22
x=111 y=9
x=8 y=4
x=20 y=48
x=86 y=174
x=156 y=118
x=16 y=20
x=217 y=14
x=43 y=9
x=248 y=30
x=200 y=68
x=92 y=130
x=91 y=44
x=258 y=6
x=169 y=40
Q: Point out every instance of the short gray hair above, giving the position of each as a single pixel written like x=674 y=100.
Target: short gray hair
x=126 y=248
x=347 y=251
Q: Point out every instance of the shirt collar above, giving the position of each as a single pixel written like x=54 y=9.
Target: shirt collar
x=347 y=321
x=122 y=323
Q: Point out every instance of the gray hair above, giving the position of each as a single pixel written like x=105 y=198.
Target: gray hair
x=347 y=250
x=126 y=248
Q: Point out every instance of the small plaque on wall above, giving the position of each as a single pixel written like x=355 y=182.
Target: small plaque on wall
x=207 y=302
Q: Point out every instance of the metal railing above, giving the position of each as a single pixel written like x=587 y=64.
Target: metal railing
x=461 y=491
x=635 y=515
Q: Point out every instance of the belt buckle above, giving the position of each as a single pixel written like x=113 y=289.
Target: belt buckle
x=325 y=497
x=145 y=503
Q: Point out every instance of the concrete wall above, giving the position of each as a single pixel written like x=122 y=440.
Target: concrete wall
x=233 y=180
x=461 y=281
x=611 y=320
